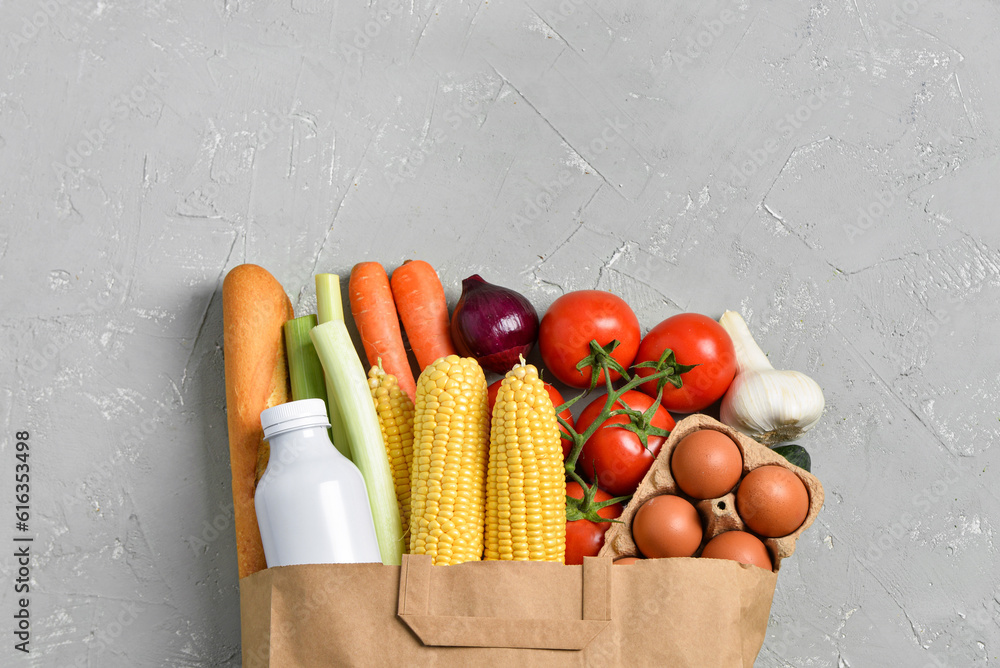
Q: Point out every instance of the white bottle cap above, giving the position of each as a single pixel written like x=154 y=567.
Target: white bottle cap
x=293 y=415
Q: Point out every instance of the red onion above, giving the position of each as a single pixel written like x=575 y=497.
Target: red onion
x=493 y=324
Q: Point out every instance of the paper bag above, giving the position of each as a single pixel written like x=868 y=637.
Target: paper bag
x=658 y=612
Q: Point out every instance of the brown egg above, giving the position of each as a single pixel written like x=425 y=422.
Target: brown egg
x=624 y=561
x=706 y=464
x=739 y=546
x=667 y=526
x=772 y=501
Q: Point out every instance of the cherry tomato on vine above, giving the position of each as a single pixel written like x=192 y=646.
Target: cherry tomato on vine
x=557 y=401
x=695 y=339
x=575 y=319
x=616 y=454
x=585 y=538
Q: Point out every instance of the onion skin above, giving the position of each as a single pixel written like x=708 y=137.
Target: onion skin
x=493 y=324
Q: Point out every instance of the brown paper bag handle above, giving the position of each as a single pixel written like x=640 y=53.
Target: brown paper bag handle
x=446 y=631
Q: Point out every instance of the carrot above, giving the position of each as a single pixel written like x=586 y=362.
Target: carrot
x=420 y=301
x=375 y=315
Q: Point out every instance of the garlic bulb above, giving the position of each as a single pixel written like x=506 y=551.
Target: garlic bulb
x=769 y=405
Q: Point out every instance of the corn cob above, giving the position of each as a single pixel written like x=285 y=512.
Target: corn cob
x=450 y=447
x=395 y=417
x=525 y=478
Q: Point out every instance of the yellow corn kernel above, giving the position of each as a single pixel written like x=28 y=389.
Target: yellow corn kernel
x=395 y=417
x=525 y=477
x=450 y=448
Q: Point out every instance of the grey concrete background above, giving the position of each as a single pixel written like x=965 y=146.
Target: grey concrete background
x=827 y=167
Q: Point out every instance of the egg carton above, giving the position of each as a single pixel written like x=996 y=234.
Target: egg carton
x=717 y=515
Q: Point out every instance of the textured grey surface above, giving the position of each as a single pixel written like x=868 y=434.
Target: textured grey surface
x=828 y=168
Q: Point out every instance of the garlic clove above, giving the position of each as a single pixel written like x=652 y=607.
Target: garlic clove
x=749 y=356
x=769 y=405
x=773 y=406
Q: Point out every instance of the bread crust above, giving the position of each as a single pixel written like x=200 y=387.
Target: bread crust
x=254 y=310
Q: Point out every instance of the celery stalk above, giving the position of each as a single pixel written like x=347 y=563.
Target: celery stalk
x=329 y=307
x=353 y=398
x=304 y=368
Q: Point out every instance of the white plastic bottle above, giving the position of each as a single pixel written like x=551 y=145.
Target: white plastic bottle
x=312 y=506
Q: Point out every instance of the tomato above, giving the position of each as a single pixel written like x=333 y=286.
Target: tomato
x=557 y=400
x=574 y=320
x=616 y=454
x=695 y=339
x=583 y=537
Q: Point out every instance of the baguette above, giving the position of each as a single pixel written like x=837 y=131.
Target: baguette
x=254 y=310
